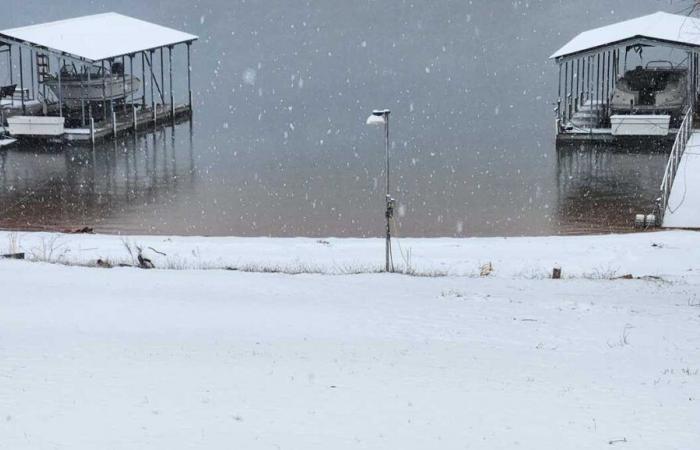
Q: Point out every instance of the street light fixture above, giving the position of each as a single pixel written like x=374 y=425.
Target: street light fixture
x=381 y=117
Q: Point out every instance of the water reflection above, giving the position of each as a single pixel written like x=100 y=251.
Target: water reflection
x=602 y=187
x=144 y=183
x=116 y=182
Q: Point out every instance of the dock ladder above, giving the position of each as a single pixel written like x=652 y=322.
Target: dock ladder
x=43 y=69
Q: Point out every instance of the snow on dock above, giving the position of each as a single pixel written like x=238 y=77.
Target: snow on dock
x=98 y=37
x=683 y=209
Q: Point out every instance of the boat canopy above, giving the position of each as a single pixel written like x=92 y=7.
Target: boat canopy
x=662 y=28
x=98 y=37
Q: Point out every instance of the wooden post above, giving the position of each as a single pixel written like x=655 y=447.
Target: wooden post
x=92 y=130
x=114 y=123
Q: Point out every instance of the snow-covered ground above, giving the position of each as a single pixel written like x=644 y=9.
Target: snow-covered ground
x=605 y=256
x=126 y=358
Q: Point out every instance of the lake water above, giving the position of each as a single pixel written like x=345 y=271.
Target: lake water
x=278 y=145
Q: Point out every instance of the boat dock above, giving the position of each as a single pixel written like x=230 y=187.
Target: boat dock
x=654 y=104
x=91 y=78
x=615 y=83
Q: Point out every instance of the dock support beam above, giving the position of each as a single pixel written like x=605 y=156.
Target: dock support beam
x=559 y=100
x=124 y=84
x=597 y=88
x=577 y=76
x=153 y=95
x=9 y=57
x=189 y=77
x=566 y=92
x=131 y=73
x=89 y=79
x=172 y=95
x=21 y=81
x=60 y=88
x=162 y=79
x=31 y=71
x=82 y=99
x=104 y=93
x=143 y=80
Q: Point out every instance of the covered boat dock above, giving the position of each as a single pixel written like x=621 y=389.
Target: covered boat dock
x=592 y=66
x=592 y=102
x=92 y=77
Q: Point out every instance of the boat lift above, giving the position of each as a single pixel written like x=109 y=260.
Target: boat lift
x=89 y=78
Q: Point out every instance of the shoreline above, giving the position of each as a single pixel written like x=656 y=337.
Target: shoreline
x=642 y=254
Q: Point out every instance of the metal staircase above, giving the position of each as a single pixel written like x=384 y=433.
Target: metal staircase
x=679 y=145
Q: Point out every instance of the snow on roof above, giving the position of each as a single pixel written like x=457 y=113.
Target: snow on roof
x=98 y=37
x=660 y=26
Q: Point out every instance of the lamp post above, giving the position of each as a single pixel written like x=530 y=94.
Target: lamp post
x=381 y=117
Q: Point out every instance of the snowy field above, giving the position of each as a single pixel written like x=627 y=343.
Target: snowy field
x=126 y=358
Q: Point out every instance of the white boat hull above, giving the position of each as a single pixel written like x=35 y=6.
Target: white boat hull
x=115 y=88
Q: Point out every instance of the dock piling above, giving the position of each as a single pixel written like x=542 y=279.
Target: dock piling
x=172 y=95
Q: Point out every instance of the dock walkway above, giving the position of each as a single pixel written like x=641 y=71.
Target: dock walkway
x=683 y=209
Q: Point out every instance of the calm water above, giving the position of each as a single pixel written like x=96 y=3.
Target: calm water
x=278 y=144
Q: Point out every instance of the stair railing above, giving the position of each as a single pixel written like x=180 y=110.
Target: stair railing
x=674 y=159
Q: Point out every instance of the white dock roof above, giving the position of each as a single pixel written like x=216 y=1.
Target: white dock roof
x=98 y=37
x=660 y=26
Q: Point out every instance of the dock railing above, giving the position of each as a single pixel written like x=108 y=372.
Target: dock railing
x=674 y=159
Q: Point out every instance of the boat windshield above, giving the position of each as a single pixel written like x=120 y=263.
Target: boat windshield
x=71 y=72
x=652 y=79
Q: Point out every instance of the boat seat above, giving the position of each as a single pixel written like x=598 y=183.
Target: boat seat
x=7 y=91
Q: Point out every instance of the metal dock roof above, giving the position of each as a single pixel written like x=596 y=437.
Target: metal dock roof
x=661 y=27
x=98 y=37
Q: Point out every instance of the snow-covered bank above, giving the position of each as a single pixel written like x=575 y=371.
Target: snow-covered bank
x=141 y=359
x=641 y=254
